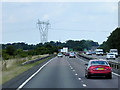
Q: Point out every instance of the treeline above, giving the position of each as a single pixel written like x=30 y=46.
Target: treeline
x=23 y=50
x=113 y=41
x=10 y=51
x=79 y=45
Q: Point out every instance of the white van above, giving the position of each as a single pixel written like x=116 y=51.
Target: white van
x=114 y=51
x=99 y=52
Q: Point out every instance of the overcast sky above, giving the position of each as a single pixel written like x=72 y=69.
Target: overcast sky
x=76 y=21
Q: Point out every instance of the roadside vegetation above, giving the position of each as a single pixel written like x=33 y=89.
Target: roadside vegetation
x=113 y=41
x=16 y=68
x=21 y=50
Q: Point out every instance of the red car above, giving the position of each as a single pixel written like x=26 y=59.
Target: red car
x=98 y=68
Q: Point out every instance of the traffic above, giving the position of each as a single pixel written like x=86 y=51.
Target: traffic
x=98 y=67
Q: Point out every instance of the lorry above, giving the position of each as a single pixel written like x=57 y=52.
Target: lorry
x=99 y=52
x=65 y=49
x=114 y=51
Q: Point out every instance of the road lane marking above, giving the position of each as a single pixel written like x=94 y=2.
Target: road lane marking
x=24 y=83
x=76 y=74
x=79 y=78
x=116 y=74
x=84 y=85
x=73 y=70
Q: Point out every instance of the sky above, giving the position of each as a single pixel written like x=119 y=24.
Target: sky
x=68 y=21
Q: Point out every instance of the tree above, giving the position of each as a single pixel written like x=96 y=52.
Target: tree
x=10 y=50
x=113 y=41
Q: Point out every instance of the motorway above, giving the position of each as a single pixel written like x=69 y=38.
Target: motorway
x=68 y=72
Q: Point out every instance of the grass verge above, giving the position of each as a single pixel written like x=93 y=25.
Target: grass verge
x=17 y=69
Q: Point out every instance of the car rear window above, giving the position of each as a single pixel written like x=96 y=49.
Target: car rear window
x=99 y=63
x=110 y=54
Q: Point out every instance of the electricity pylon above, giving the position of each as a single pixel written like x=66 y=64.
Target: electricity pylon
x=43 y=28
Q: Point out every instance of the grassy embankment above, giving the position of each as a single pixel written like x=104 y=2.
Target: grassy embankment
x=13 y=67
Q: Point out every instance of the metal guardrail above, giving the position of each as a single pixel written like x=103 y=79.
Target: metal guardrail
x=115 y=65
x=89 y=58
x=32 y=61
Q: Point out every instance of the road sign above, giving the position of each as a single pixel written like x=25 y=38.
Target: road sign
x=70 y=50
x=85 y=50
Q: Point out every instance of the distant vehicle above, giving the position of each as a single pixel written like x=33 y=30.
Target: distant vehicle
x=98 y=68
x=71 y=55
x=114 y=51
x=67 y=54
x=60 y=55
x=64 y=50
x=93 y=52
x=88 y=53
x=99 y=52
x=110 y=56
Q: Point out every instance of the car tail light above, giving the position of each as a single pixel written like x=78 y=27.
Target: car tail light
x=107 y=68
x=91 y=68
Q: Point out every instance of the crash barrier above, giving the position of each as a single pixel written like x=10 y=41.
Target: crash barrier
x=89 y=58
x=32 y=61
x=115 y=65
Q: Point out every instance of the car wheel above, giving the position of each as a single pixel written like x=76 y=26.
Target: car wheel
x=109 y=76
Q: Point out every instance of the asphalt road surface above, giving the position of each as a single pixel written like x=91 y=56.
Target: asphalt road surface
x=68 y=72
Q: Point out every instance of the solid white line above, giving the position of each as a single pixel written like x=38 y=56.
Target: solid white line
x=23 y=84
x=116 y=74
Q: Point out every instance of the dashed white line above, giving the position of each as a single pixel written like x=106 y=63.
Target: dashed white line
x=84 y=85
x=79 y=78
x=76 y=74
x=73 y=70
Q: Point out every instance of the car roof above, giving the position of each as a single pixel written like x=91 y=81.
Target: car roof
x=98 y=60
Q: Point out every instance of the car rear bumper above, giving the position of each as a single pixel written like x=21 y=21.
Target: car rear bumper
x=71 y=56
x=99 y=74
